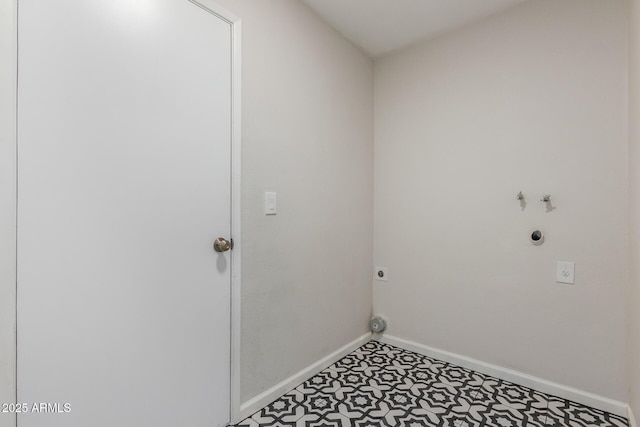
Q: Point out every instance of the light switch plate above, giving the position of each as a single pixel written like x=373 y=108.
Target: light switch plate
x=565 y=272
x=270 y=203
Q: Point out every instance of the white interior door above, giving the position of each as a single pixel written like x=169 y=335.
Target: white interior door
x=124 y=139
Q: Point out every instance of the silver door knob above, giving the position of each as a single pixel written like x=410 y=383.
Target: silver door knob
x=222 y=245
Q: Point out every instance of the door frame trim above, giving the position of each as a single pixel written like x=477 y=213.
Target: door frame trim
x=236 y=156
x=236 y=193
x=8 y=194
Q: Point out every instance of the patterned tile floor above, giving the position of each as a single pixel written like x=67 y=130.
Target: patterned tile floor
x=382 y=385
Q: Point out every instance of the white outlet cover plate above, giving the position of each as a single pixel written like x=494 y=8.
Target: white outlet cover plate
x=565 y=272
x=385 y=274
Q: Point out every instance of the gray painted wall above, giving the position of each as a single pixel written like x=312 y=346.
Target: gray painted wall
x=307 y=133
x=534 y=100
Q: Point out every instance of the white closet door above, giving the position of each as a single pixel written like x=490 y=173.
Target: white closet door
x=124 y=146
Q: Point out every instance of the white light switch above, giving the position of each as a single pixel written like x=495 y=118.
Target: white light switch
x=565 y=272
x=270 y=203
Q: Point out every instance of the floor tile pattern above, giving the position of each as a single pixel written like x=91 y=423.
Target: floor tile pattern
x=379 y=385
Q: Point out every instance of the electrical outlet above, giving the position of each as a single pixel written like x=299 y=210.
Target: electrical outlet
x=565 y=272
x=381 y=274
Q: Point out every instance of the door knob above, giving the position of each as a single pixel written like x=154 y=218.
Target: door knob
x=222 y=245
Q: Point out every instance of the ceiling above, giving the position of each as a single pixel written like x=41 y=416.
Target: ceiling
x=380 y=26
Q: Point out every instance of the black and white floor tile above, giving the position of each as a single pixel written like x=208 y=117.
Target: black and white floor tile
x=379 y=385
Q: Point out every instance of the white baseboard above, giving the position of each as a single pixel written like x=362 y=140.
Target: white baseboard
x=631 y=417
x=549 y=387
x=263 y=399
